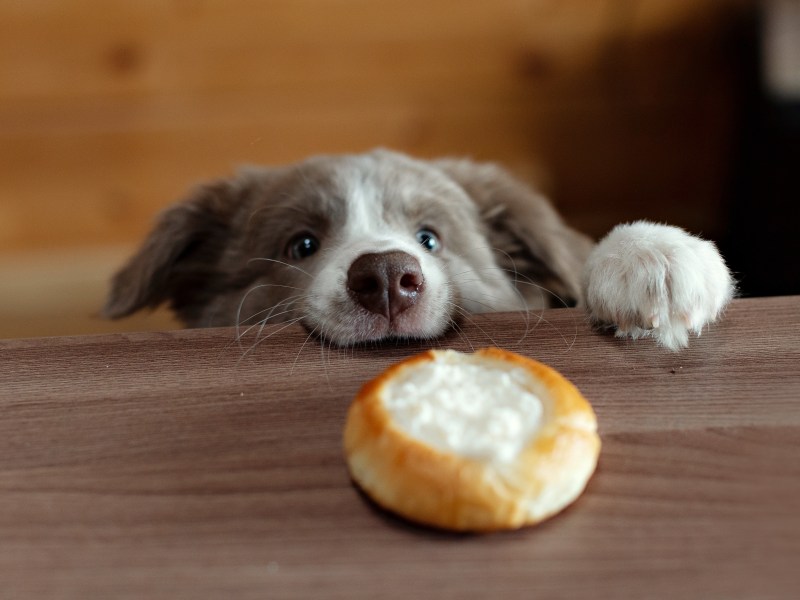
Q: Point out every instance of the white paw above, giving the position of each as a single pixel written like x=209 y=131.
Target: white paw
x=656 y=280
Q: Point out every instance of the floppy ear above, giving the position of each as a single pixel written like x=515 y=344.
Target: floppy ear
x=178 y=262
x=532 y=238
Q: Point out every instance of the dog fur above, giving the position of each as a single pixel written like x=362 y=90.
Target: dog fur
x=375 y=246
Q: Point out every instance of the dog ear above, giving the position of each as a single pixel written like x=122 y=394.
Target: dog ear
x=531 y=238
x=177 y=262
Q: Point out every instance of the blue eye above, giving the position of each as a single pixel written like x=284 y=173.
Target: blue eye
x=429 y=240
x=302 y=246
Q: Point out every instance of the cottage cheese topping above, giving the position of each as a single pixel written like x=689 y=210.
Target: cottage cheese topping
x=476 y=409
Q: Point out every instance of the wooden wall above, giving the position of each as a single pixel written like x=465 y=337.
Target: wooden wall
x=110 y=109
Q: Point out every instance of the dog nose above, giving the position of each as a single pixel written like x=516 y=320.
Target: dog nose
x=386 y=283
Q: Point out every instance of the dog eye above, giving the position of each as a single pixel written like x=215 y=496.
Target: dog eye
x=428 y=239
x=302 y=246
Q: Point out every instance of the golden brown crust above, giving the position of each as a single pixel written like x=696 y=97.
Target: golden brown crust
x=446 y=490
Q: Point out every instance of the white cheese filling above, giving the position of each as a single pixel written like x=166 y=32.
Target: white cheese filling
x=478 y=409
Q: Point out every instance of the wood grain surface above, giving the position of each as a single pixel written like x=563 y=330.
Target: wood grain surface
x=110 y=110
x=183 y=465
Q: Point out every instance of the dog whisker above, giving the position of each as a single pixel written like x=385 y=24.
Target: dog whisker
x=324 y=364
x=465 y=314
x=300 y=351
x=271 y=309
x=517 y=278
x=279 y=285
x=558 y=331
x=565 y=305
x=520 y=278
x=262 y=322
x=542 y=288
x=516 y=275
x=239 y=313
x=281 y=262
x=490 y=303
x=457 y=328
x=285 y=303
x=239 y=322
x=259 y=341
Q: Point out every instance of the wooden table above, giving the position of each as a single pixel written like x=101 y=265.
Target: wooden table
x=181 y=465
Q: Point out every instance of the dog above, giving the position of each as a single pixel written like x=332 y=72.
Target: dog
x=376 y=246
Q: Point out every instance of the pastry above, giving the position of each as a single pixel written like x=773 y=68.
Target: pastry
x=471 y=442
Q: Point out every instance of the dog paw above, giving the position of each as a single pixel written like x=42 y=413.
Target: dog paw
x=656 y=280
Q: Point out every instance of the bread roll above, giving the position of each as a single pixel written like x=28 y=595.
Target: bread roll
x=471 y=442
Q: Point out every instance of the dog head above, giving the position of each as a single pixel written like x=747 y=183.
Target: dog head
x=356 y=248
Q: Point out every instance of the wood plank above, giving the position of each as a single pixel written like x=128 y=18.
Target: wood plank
x=216 y=44
x=117 y=114
x=106 y=186
x=156 y=465
x=634 y=385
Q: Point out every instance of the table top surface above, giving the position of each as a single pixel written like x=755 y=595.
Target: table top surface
x=187 y=464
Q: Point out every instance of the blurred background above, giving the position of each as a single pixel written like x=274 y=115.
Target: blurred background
x=683 y=111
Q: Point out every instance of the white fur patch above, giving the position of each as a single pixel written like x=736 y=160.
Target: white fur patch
x=366 y=231
x=656 y=280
